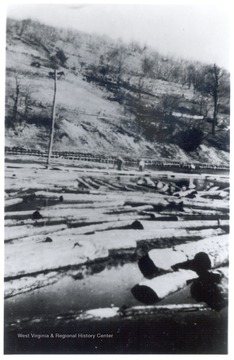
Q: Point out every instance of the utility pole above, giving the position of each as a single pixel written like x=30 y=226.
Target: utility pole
x=53 y=118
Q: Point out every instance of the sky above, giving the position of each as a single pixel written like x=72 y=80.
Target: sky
x=199 y=30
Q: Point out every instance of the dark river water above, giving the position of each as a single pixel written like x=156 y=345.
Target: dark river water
x=111 y=287
x=193 y=332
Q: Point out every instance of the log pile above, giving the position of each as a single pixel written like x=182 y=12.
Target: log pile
x=197 y=263
x=57 y=220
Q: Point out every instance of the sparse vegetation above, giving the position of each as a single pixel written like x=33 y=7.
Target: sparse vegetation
x=158 y=100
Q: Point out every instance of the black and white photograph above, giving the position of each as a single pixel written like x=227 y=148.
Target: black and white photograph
x=117 y=178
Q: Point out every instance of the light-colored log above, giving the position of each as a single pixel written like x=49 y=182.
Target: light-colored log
x=207 y=204
x=66 y=250
x=151 y=291
x=17 y=232
x=83 y=183
x=189 y=224
x=210 y=194
x=15 y=201
x=164 y=259
x=43 y=226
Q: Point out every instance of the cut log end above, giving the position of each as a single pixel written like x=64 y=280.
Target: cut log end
x=37 y=215
x=144 y=294
x=201 y=263
x=48 y=240
x=211 y=288
x=137 y=225
x=147 y=267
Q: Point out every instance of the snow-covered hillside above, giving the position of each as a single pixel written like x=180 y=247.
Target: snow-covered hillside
x=106 y=101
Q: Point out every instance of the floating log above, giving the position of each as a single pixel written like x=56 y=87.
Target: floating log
x=106 y=184
x=72 y=198
x=129 y=209
x=151 y=291
x=198 y=217
x=166 y=259
x=156 y=217
x=213 y=188
x=60 y=212
x=211 y=287
x=107 y=239
x=191 y=193
x=15 y=201
x=220 y=194
x=90 y=205
x=133 y=311
x=29 y=283
x=142 y=188
x=61 y=253
x=159 y=204
x=217 y=248
x=193 y=224
x=190 y=211
x=92 y=183
x=31 y=258
x=18 y=232
x=201 y=203
x=36 y=223
x=83 y=183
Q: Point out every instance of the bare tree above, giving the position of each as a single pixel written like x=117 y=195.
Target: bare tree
x=147 y=66
x=214 y=83
x=117 y=58
x=16 y=100
x=24 y=25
